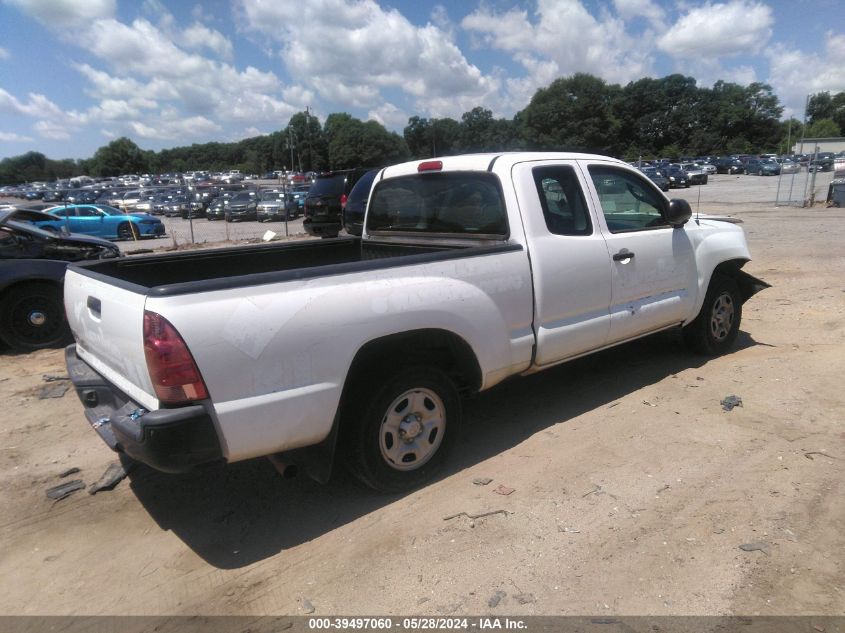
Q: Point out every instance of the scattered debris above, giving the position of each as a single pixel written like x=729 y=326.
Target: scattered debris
x=472 y=517
x=137 y=413
x=567 y=530
x=755 y=547
x=268 y=235
x=730 y=402
x=69 y=471
x=113 y=475
x=502 y=489
x=481 y=481
x=666 y=487
x=53 y=377
x=613 y=404
x=495 y=599
x=53 y=390
x=809 y=455
x=307 y=606
x=646 y=402
x=57 y=493
x=595 y=490
x=718 y=530
x=525 y=598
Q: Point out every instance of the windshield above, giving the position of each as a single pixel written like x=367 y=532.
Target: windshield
x=272 y=195
x=454 y=202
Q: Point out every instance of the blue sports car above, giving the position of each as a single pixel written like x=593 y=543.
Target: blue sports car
x=103 y=221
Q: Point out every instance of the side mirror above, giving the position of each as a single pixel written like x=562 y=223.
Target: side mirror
x=679 y=212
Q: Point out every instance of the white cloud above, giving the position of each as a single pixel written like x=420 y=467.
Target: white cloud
x=4 y=54
x=389 y=116
x=12 y=137
x=723 y=29
x=630 y=9
x=563 y=38
x=37 y=106
x=60 y=14
x=794 y=74
x=52 y=130
x=198 y=36
x=371 y=49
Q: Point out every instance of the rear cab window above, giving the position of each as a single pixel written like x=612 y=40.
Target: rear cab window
x=468 y=204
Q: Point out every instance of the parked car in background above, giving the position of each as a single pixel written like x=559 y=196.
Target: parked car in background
x=356 y=204
x=696 y=174
x=32 y=269
x=762 y=167
x=729 y=165
x=217 y=209
x=272 y=205
x=325 y=201
x=107 y=222
x=657 y=177
x=242 y=206
x=822 y=162
x=787 y=166
x=678 y=178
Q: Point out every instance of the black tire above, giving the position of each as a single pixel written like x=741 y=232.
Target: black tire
x=127 y=231
x=373 y=424
x=32 y=316
x=714 y=330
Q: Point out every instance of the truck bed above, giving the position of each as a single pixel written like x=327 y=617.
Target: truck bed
x=217 y=269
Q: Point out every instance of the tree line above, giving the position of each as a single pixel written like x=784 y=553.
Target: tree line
x=670 y=116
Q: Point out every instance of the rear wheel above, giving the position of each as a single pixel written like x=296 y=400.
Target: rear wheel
x=405 y=429
x=32 y=317
x=714 y=330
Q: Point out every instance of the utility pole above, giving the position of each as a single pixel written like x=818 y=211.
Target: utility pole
x=308 y=138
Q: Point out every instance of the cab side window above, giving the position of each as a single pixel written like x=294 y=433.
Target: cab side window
x=564 y=208
x=629 y=202
x=87 y=212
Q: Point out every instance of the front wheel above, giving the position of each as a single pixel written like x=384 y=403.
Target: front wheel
x=127 y=231
x=32 y=317
x=714 y=330
x=403 y=433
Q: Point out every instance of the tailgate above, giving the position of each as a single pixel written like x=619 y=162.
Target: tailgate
x=107 y=322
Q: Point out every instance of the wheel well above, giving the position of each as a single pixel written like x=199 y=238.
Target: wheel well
x=748 y=285
x=27 y=282
x=443 y=349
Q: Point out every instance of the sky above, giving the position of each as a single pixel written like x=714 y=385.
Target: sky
x=76 y=74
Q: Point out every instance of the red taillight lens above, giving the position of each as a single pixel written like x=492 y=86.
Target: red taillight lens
x=174 y=373
x=343 y=199
x=430 y=165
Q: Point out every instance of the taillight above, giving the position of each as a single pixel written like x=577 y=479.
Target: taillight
x=343 y=200
x=176 y=377
x=430 y=165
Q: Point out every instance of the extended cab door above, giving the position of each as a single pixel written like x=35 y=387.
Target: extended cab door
x=569 y=260
x=652 y=263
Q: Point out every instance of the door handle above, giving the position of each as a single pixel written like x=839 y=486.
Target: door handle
x=623 y=255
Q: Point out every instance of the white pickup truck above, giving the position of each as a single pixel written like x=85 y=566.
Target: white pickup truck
x=471 y=269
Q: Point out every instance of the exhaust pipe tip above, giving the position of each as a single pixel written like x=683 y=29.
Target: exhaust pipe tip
x=285 y=468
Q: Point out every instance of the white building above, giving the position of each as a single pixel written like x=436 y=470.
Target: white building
x=835 y=145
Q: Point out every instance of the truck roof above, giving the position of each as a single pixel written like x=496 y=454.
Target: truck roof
x=484 y=162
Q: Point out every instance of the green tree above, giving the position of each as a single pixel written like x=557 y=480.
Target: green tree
x=822 y=128
x=121 y=156
x=364 y=144
x=573 y=113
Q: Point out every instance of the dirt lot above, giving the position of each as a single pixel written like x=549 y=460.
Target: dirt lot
x=633 y=489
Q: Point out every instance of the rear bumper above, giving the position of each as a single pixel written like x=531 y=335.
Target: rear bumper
x=321 y=227
x=170 y=440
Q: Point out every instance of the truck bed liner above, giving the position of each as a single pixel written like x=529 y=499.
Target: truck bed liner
x=217 y=269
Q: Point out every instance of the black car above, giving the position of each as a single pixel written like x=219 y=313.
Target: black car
x=32 y=270
x=217 y=209
x=657 y=177
x=356 y=204
x=822 y=162
x=242 y=206
x=677 y=176
x=325 y=200
x=729 y=165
